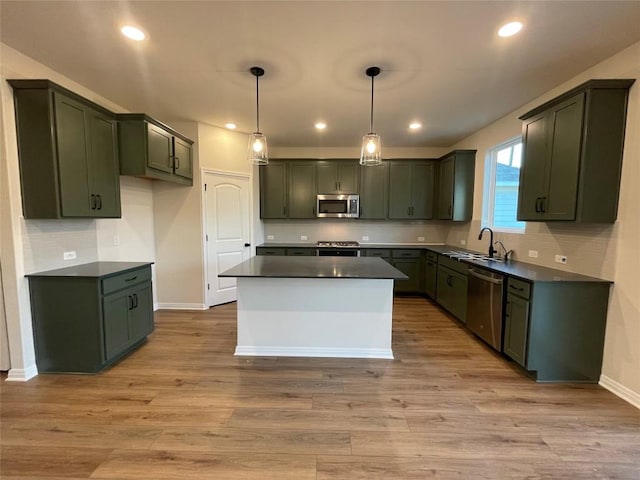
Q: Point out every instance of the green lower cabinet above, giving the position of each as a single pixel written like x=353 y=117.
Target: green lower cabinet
x=409 y=262
x=83 y=322
x=272 y=251
x=431 y=274
x=301 y=252
x=516 y=329
x=451 y=292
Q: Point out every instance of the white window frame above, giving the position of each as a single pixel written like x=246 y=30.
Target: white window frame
x=489 y=191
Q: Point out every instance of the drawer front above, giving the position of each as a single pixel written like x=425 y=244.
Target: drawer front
x=432 y=257
x=125 y=280
x=377 y=252
x=453 y=264
x=406 y=253
x=519 y=287
x=271 y=251
x=301 y=252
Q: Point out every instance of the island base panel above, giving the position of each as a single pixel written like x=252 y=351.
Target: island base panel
x=315 y=317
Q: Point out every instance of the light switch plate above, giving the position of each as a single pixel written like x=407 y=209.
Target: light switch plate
x=421 y=239
x=365 y=238
x=271 y=237
x=303 y=237
x=533 y=253
x=69 y=255
x=463 y=242
x=561 y=259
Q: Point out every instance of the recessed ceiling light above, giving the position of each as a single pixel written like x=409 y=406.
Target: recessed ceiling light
x=230 y=125
x=509 y=29
x=321 y=125
x=415 y=125
x=133 y=33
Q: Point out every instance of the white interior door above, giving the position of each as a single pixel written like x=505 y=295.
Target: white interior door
x=228 y=231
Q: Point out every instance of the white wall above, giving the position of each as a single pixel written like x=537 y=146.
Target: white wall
x=606 y=251
x=37 y=245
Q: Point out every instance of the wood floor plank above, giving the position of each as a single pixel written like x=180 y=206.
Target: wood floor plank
x=255 y=440
x=184 y=407
x=172 y=465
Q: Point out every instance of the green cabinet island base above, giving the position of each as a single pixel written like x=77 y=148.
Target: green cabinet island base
x=89 y=316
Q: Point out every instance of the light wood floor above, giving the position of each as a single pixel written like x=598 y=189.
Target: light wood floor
x=183 y=407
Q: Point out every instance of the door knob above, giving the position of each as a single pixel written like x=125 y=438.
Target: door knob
x=247 y=244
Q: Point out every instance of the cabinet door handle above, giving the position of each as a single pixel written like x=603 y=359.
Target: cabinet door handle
x=537 y=204
x=130 y=301
x=176 y=163
x=99 y=202
x=135 y=298
x=543 y=205
x=93 y=202
x=449 y=282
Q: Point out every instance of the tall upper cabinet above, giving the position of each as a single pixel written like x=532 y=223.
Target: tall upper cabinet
x=454 y=197
x=68 y=153
x=572 y=154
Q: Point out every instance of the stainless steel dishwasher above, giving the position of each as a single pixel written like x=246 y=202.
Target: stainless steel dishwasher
x=485 y=302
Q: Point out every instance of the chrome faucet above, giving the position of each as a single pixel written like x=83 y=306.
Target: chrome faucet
x=491 y=249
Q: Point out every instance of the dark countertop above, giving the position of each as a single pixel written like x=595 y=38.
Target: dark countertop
x=95 y=269
x=315 y=267
x=521 y=270
x=513 y=268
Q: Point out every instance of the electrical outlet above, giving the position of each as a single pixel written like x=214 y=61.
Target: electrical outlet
x=533 y=253
x=69 y=255
x=463 y=242
x=365 y=238
x=421 y=239
x=271 y=237
x=303 y=237
x=561 y=259
x=116 y=239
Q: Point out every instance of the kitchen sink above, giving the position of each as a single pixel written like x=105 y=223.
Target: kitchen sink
x=470 y=256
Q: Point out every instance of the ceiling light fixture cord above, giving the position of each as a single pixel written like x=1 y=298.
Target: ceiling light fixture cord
x=257 y=104
x=371 y=121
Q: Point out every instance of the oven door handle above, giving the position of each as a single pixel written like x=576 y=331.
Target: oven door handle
x=475 y=273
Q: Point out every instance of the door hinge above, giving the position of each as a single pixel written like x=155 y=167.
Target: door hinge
x=205 y=187
x=208 y=287
x=206 y=237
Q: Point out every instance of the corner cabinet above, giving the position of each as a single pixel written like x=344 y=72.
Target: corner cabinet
x=68 y=153
x=572 y=154
x=411 y=189
x=150 y=149
x=456 y=172
x=87 y=317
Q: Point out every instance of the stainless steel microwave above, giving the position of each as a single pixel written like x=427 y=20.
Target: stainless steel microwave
x=338 y=206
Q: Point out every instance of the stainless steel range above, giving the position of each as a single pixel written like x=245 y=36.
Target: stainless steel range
x=338 y=249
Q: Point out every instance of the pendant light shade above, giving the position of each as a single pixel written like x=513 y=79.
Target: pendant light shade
x=371 y=153
x=257 y=149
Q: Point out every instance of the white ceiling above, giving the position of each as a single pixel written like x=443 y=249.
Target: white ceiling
x=442 y=62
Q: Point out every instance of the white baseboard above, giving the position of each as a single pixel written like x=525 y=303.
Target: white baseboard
x=620 y=390
x=314 y=352
x=22 y=374
x=180 y=306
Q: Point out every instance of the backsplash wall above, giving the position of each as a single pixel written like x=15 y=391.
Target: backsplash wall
x=290 y=231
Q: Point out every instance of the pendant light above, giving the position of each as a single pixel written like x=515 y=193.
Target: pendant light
x=257 y=151
x=371 y=154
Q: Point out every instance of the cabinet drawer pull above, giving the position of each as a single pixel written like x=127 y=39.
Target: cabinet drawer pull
x=538 y=204
x=520 y=289
x=543 y=205
x=93 y=202
x=99 y=197
x=130 y=279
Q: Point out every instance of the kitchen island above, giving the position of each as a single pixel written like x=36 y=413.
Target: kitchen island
x=315 y=306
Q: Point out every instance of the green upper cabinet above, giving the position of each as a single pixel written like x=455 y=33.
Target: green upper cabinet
x=456 y=172
x=68 y=153
x=337 y=176
x=411 y=189
x=374 y=194
x=150 y=149
x=572 y=154
x=273 y=190
x=302 y=190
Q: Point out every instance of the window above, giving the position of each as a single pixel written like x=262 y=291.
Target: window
x=502 y=176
